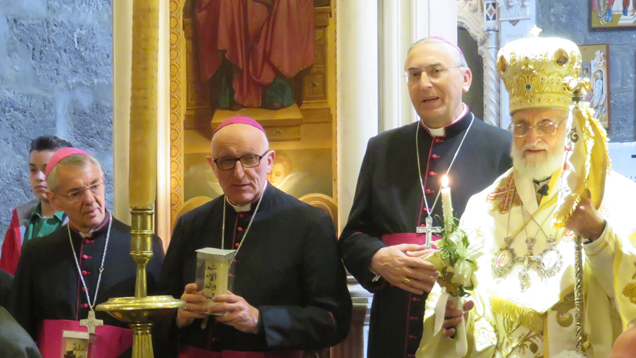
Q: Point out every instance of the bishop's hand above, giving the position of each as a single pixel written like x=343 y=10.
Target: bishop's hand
x=402 y=266
x=195 y=304
x=236 y=312
x=585 y=221
x=453 y=316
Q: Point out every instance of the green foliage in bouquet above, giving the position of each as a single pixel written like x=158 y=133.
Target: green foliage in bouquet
x=456 y=259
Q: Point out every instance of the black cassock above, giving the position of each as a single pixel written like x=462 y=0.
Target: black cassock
x=287 y=267
x=388 y=200
x=47 y=284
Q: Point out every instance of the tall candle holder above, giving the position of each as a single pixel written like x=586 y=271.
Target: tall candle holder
x=139 y=311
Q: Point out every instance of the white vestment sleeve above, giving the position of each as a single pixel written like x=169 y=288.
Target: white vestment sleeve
x=600 y=256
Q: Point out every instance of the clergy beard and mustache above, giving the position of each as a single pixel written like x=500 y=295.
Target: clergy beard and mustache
x=537 y=166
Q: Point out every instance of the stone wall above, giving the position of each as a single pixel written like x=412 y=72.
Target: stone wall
x=55 y=78
x=571 y=19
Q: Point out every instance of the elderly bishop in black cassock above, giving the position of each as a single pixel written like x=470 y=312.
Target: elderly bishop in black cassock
x=61 y=277
x=399 y=188
x=289 y=292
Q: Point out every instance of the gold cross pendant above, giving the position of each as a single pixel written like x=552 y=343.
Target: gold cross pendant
x=91 y=322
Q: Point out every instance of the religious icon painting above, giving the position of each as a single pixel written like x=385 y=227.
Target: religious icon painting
x=595 y=67
x=611 y=14
x=281 y=74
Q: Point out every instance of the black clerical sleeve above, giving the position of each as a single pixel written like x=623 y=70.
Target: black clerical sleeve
x=323 y=318
x=172 y=281
x=165 y=333
x=360 y=240
x=22 y=296
x=287 y=267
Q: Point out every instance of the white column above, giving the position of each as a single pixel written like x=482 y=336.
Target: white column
x=491 y=77
x=357 y=73
x=491 y=81
x=442 y=18
x=162 y=210
x=403 y=23
x=357 y=111
x=122 y=64
x=395 y=37
x=516 y=20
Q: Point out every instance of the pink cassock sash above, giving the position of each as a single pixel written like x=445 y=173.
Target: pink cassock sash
x=111 y=341
x=406 y=238
x=192 y=352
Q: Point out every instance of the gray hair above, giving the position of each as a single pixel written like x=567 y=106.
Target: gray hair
x=460 y=59
x=78 y=161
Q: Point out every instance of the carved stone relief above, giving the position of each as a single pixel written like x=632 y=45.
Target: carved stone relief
x=514 y=8
x=483 y=19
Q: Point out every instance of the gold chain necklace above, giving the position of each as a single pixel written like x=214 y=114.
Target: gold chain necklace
x=549 y=261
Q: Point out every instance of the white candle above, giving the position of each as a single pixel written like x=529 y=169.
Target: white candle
x=447 y=204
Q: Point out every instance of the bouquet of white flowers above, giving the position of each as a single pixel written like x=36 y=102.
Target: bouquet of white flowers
x=456 y=260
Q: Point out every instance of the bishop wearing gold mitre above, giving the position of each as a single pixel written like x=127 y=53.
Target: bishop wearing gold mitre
x=524 y=302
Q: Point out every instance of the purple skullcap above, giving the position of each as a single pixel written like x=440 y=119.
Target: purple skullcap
x=448 y=42
x=240 y=120
x=59 y=155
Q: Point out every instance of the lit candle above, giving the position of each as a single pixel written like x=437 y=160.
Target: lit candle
x=447 y=204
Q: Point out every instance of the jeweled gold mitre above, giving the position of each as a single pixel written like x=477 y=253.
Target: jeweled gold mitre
x=533 y=70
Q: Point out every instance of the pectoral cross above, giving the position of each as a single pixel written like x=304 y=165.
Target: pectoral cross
x=429 y=229
x=91 y=322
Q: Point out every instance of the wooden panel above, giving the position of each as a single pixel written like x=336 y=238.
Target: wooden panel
x=198 y=111
x=320 y=44
x=316 y=114
x=281 y=133
x=315 y=87
x=321 y=16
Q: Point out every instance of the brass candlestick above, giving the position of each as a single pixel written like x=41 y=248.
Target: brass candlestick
x=141 y=310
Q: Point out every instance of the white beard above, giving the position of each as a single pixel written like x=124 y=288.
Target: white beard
x=537 y=167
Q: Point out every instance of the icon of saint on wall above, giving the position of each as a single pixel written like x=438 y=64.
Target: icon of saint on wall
x=249 y=51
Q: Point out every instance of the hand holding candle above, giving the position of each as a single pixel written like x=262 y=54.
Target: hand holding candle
x=447 y=204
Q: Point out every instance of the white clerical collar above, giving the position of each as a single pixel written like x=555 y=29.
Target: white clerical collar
x=441 y=132
x=240 y=209
x=95 y=229
x=246 y=207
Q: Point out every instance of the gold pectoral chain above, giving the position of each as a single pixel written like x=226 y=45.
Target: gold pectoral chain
x=549 y=261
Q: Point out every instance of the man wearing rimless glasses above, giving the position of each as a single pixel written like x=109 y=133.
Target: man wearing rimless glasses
x=63 y=276
x=399 y=187
x=524 y=303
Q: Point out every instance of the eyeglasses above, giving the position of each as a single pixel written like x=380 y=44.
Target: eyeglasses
x=434 y=73
x=76 y=195
x=247 y=161
x=544 y=128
